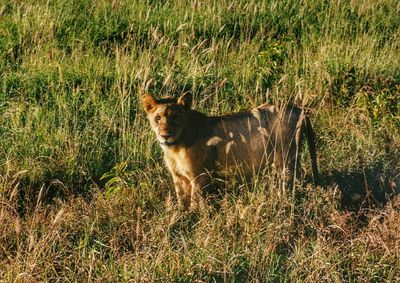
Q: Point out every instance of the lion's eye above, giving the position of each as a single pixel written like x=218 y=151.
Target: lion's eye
x=158 y=118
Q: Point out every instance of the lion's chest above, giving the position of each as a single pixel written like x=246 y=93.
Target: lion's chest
x=181 y=162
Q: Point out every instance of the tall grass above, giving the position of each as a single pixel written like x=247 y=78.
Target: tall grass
x=70 y=76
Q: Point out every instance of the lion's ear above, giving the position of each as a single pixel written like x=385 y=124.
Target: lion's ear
x=186 y=100
x=148 y=102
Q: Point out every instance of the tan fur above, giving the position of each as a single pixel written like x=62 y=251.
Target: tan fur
x=196 y=146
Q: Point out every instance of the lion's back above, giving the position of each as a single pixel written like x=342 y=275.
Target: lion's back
x=248 y=139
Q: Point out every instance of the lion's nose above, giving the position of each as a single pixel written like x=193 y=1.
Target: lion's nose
x=166 y=137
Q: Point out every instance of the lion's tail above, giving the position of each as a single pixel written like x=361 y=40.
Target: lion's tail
x=310 y=136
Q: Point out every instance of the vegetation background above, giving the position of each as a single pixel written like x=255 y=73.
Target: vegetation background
x=84 y=194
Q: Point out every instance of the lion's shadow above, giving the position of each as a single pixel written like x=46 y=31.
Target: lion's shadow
x=367 y=187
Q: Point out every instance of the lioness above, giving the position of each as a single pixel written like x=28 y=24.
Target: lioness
x=196 y=145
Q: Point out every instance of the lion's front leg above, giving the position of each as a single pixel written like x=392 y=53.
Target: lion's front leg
x=197 y=184
x=183 y=192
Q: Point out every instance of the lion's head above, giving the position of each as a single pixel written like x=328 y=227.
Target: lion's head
x=168 y=117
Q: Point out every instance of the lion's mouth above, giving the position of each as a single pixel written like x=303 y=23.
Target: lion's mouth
x=168 y=140
x=166 y=143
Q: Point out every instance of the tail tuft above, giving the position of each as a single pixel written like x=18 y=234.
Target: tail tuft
x=310 y=136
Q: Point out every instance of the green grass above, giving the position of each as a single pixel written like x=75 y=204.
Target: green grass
x=71 y=73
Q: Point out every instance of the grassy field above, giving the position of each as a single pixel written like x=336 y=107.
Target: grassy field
x=71 y=73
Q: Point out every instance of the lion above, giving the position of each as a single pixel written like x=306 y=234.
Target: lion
x=197 y=146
